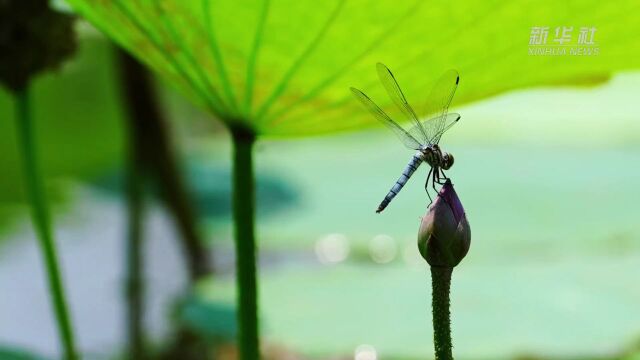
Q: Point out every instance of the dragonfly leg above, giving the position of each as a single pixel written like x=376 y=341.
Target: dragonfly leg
x=444 y=176
x=426 y=186
x=436 y=179
x=441 y=178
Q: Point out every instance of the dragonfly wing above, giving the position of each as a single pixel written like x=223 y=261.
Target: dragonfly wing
x=406 y=138
x=395 y=93
x=450 y=120
x=437 y=105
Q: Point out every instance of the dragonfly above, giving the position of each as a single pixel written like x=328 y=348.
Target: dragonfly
x=424 y=135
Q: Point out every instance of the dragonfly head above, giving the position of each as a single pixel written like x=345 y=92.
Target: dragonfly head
x=447 y=161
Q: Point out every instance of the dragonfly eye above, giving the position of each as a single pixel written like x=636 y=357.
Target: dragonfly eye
x=448 y=161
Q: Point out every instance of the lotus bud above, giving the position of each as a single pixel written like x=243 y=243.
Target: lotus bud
x=445 y=236
x=33 y=38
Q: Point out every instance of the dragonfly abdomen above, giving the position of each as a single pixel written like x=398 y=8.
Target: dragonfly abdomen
x=411 y=167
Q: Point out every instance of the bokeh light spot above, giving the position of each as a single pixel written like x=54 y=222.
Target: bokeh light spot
x=332 y=248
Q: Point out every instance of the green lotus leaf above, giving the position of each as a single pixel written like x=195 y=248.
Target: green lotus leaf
x=284 y=67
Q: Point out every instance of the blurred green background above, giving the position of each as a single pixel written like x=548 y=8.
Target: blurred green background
x=548 y=178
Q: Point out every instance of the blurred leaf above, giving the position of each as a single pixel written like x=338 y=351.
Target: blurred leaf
x=211 y=191
x=210 y=187
x=284 y=67
x=211 y=320
x=8 y=353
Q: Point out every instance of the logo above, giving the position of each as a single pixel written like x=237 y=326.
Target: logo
x=562 y=41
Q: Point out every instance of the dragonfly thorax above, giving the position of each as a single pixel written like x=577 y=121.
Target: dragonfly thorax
x=435 y=157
